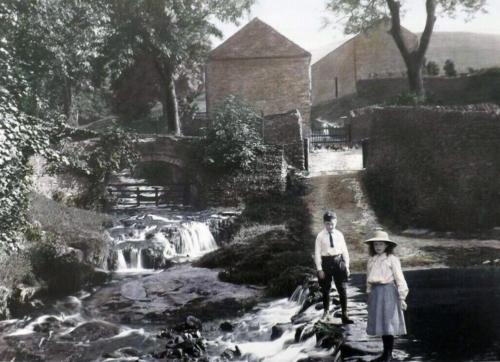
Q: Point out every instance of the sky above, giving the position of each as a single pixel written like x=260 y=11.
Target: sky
x=302 y=22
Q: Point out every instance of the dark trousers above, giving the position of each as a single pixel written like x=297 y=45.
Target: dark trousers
x=334 y=268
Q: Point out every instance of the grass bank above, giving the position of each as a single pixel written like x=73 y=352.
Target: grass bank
x=273 y=247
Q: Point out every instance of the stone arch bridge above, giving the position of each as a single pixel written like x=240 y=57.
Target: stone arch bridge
x=173 y=150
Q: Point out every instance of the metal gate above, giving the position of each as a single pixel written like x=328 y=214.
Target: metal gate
x=331 y=137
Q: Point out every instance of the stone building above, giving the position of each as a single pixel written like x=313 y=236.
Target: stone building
x=370 y=54
x=262 y=67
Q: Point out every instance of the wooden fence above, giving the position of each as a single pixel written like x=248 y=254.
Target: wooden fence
x=137 y=194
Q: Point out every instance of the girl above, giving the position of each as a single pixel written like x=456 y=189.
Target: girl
x=387 y=291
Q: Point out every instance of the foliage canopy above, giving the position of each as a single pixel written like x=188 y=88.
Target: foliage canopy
x=233 y=140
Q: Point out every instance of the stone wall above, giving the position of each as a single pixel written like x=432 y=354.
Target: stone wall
x=269 y=177
x=61 y=187
x=270 y=85
x=285 y=130
x=435 y=168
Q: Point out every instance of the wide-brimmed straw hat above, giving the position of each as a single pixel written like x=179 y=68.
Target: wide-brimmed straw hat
x=380 y=235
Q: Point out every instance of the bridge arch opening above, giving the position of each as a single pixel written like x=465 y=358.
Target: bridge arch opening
x=160 y=172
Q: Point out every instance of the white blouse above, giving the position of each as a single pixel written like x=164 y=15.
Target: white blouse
x=384 y=269
x=323 y=248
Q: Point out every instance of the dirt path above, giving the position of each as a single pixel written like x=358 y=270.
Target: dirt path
x=341 y=191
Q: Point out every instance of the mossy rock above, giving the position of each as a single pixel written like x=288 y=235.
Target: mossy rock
x=61 y=268
x=286 y=283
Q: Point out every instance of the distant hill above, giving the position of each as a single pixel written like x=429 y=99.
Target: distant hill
x=474 y=50
x=465 y=49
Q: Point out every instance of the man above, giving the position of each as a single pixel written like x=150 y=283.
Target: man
x=332 y=262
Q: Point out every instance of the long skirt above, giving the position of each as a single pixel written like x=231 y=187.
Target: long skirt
x=385 y=316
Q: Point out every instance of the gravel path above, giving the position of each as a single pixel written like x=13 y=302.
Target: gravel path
x=335 y=187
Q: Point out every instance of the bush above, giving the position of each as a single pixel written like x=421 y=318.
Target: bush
x=406 y=99
x=449 y=68
x=432 y=68
x=233 y=140
x=95 y=161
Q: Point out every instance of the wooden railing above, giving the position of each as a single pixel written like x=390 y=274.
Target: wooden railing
x=135 y=194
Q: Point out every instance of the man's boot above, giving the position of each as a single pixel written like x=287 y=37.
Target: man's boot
x=345 y=319
x=343 y=304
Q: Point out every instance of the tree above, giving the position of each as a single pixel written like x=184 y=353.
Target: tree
x=432 y=68
x=362 y=14
x=233 y=140
x=174 y=33
x=21 y=135
x=55 y=44
x=449 y=68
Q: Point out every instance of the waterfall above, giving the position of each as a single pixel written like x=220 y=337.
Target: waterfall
x=139 y=260
x=300 y=295
x=135 y=264
x=122 y=264
x=175 y=238
x=195 y=239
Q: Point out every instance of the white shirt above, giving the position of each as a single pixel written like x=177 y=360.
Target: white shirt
x=384 y=269
x=322 y=247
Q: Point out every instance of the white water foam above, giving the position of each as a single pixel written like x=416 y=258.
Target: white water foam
x=255 y=344
x=193 y=240
x=135 y=265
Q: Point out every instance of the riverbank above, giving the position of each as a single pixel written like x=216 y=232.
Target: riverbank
x=66 y=249
x=273 y=247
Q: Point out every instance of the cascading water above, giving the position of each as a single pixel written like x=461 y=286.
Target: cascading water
x=300 y=295
x=195 y=239
x=122 y=263
x=159 y=238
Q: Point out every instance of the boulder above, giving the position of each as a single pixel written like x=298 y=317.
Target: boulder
x=184 y=342
x=93 y=331
x=194 y=323
x=276 y=332
x=47 y=325
x=226 y=327
x=231 y=354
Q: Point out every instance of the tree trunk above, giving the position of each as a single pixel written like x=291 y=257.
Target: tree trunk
x=171 y=120
x=415 y=78
x=68 y=101
x=413 y=58
x=172 y=107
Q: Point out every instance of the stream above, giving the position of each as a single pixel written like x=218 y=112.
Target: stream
x=452 y=316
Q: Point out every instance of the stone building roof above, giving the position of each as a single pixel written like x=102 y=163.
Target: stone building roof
x=257 y=40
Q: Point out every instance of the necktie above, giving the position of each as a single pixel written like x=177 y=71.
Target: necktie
x=331 y=240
